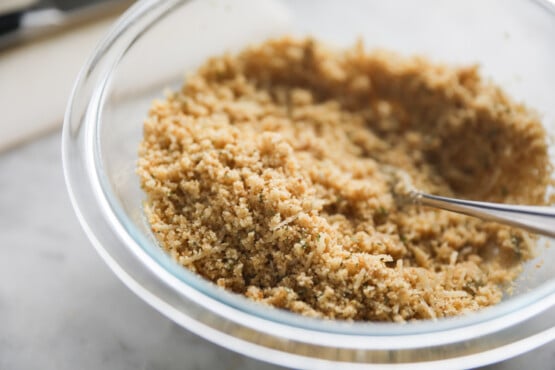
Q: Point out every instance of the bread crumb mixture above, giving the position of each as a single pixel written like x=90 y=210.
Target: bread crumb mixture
x=264 y=174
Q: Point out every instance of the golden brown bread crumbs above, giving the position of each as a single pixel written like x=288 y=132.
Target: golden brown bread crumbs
x=263 y=175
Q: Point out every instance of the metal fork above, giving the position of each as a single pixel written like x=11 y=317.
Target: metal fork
x=538 y=219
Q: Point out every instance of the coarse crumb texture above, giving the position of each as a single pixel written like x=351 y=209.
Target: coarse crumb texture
x=265 y=174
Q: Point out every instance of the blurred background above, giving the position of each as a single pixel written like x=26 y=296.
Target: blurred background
x=60 y=306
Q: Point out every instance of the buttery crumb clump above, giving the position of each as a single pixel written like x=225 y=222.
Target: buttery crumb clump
x=265 y=174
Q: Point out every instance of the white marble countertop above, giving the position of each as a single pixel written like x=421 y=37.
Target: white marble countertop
x=62 y=308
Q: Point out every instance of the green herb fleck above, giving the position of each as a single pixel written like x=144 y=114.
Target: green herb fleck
x=516 y=241
x=493 y=133
x=472 y=286
x=381 y=215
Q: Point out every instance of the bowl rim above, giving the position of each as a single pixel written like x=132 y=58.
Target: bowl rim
x=237 y=308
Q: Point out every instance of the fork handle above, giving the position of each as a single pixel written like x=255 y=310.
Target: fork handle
x=539 y=219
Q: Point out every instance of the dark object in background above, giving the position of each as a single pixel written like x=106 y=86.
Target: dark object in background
x=47 y=16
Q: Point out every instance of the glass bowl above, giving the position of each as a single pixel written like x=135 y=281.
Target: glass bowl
x=152 y=46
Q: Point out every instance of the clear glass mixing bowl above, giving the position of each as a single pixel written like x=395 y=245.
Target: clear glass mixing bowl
x=151 y=48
